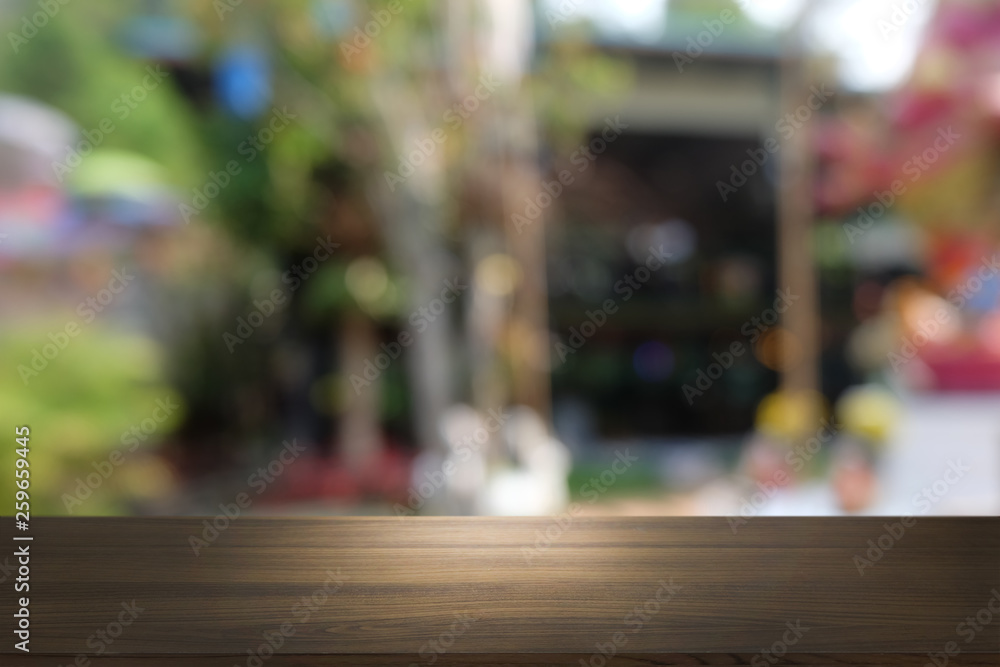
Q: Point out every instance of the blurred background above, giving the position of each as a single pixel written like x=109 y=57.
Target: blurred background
x=657 y=257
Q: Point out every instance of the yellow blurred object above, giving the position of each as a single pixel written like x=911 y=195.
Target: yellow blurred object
x=366 y=279
x=949 y=198
x=868 y=411
x=790 y=415
x=498 y=274
x=148 y=478
x=778 y=349
x=935 y=71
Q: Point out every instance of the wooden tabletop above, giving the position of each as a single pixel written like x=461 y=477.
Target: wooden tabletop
x=446 y=591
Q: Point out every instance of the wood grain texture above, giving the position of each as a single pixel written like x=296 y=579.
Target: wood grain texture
x=521 y=660
x=370 y=591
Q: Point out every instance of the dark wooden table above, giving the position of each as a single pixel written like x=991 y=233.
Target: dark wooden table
x=487 y=591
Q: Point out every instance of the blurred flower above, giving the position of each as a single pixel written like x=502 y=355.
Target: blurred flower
x=790 y=415
x=854 y=480
x=869 y=412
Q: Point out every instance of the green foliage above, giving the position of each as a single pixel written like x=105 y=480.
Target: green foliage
x=569 y=77
x=72 y=65
x=78 y=409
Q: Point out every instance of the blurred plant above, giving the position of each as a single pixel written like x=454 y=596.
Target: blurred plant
x=79 y=410
x=77 y=66
x=372 y=84
x=356 y=105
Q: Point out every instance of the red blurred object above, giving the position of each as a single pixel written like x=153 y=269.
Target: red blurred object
x=951 y=256
x=312 y=477
x=966 y=368
x=855 y=484
x=961 y=24
x=912 y=109
x=852 y=167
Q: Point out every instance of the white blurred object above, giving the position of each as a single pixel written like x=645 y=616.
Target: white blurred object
x=529 y=466
x=935 y=431
x=535 y=484
x=32 y=137
x=451 y=483
x=875 y=42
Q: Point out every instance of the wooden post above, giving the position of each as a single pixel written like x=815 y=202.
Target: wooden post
x=796 y=266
